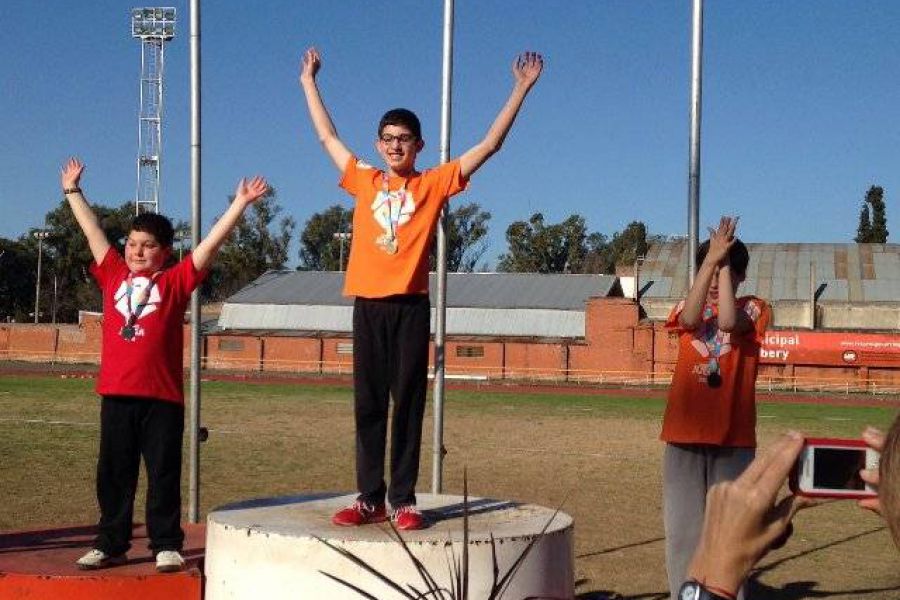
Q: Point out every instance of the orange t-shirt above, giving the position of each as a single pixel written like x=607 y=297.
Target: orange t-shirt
x=697 y=413
x=393 y=231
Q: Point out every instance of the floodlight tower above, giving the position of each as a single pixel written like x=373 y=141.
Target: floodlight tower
x=154 y=27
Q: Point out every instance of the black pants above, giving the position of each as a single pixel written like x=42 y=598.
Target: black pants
x=130 y=428
x=390 y=359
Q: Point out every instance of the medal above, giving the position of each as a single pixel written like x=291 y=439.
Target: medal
x=387 y=243
x=714 y=380
x=129 y=331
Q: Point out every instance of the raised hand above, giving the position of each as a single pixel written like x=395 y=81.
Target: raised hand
x=250 y=190
x=70 y=174
x=721 y=239
x=310 y=66
x=527 y=68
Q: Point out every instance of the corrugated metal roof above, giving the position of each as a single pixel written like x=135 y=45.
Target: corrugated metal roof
x=493 y=304
x=474 y=290
x=504 y=322
x=857 y=273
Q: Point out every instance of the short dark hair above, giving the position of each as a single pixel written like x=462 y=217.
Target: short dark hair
x=403 y=117
x=158 y=226
x=738 y=256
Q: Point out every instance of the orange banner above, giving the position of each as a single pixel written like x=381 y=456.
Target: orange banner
x=831 y=348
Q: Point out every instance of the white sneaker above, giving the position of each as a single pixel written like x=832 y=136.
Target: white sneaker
x=98 y=559
x=169 y=561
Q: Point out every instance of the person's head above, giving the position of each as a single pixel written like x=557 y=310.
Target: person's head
x=399 y=140
x=149 y=243
x=889 y=480
x=738 y=259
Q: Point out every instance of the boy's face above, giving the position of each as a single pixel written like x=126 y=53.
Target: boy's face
x=398 y=148
x=143 y=254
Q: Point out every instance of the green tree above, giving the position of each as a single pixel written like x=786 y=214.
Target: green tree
x=630 y=243
x=258 y=244
x=872 y=226
x=467 y=228
x=320 y=248
x=18 y=269
x=535 y=247
x=67 y=257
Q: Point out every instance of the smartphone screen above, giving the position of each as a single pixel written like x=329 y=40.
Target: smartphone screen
x=838 y=468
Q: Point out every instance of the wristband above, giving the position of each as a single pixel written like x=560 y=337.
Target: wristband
x=71 y=190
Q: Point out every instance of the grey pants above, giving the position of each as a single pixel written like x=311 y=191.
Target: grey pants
x=688 y=472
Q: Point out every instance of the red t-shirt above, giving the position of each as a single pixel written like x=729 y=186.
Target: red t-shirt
x=150 y=364
x=698 y=413
x=392 y=233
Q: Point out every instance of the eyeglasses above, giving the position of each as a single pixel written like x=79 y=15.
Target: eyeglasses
x=403 y=138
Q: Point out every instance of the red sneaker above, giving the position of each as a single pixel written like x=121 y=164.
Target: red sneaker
x=360 y=513
x=407 y=517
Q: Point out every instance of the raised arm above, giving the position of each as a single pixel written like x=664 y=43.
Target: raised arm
x=526 y=70
x=70 y=176
x=325 y=129
x=714 y=265
x=247 y=192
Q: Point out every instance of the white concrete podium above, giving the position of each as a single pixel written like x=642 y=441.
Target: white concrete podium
x=273 y=549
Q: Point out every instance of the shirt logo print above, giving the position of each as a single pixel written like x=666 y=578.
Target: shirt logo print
x=139 y=284
x=393 y=209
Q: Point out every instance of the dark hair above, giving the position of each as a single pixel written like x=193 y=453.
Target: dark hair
x=403 y=117
x=738 y=256
x=156 y=225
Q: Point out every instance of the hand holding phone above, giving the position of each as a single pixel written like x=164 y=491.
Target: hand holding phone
x=830 y=468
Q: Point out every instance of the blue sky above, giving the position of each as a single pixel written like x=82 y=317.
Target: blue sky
x=801 y=103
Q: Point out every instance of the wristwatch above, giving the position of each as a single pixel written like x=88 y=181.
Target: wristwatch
x=692 y=590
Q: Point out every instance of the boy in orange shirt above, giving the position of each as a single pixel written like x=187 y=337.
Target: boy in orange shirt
x=394 y=222
x=710 y=421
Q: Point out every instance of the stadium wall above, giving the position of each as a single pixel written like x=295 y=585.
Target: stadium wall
x=618 y=346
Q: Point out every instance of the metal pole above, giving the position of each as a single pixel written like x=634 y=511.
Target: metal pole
x=694 y=168
x=54 y=297
x=194 y=484
x=441 y=275
x=37 y=286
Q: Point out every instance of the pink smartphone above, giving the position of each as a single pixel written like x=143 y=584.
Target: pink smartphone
x=829 y=468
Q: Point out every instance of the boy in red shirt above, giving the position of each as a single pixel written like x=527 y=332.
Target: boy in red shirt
x=141 y=372
x=710 y=421
x=393 y=228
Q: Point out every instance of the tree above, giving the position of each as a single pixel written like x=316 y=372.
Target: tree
x=320 y=249
x=534 y=247
x=467 y=230
x=872 y=226
x=252 y=249
x=17 y=275
x=67 y=257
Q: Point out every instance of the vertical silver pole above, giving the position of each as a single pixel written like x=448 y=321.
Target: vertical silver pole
x=194 y=484
x=37 y=284
x=441 y=300
x=696 y=106
x=55 y=289
x=812 y=295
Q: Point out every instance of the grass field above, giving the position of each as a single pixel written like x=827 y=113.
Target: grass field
x=276 y=439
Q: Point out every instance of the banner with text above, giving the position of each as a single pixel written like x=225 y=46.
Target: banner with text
x=831 y=348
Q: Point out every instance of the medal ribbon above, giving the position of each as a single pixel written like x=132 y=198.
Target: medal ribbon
x=133 y=314
x=713 y=377
x=393 y=216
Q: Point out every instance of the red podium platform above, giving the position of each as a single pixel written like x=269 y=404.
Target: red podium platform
x=41 y=564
